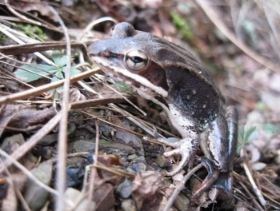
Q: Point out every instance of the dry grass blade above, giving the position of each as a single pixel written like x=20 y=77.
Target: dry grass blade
x=127 y=100
x=27 y=172
x=123 y=97
x=38 y=90
x=250 y=196
x=95 y=102
x=14 y=35
x=93 y=170
x=17 y=191
x=141 y=124
x=112 y=124
x=180 y=187
x=254 y=186
x=45 y=46
x=12 y=10
x=210 y=12
x=29 y=144
x=62 y=135
x=94 y=23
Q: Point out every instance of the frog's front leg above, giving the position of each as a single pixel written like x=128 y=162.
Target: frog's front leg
x=186 y=148
x=188 y=145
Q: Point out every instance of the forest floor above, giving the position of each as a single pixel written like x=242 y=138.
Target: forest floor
x=96 y=150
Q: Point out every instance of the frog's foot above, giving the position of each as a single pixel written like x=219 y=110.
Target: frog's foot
x=224 y=186
x=210 y=179
x=215 y=180
x=185 y=148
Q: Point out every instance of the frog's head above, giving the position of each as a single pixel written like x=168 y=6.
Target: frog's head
x=143 y=57
x=136 y=53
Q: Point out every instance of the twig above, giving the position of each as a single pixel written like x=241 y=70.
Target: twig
x=95 y=102
x=94 y=23
x=212 y=15
x=95 y=158
x=257 y=191
x=7 y=31
x=24 y=148
x=15 y=188
x=250 y=196
x=180 y=187
x=46 y=87
x=44 y=46
x=112 y=124
x=134 y=119
x=12 y=10
x=118 y=172
x=27 y=172
x=127 y=100
x=96 y=142
x=62 y=135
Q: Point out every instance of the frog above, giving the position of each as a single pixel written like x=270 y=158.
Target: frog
x=192 y=100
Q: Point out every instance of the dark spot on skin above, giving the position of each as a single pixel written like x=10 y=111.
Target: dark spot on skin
x=184 y=84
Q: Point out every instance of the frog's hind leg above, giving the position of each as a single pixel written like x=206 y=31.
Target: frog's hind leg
x=218 y=176
x=224 y=182
x=220 y=181
x=232 y=122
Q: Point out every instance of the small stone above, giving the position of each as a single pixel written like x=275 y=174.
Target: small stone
x=35 y=195
x=75 y=196
x=83 y=146
x=128 y=205
x=125 y=189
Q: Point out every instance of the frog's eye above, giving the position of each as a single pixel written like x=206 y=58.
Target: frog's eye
x=136 y=60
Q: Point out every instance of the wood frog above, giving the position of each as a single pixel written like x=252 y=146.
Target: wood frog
x=194 y=104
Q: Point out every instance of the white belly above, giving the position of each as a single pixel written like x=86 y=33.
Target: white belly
x=181 y=123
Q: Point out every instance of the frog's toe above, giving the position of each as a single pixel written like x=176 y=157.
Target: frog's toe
x=172 y=141
x=184 y=160
x=185 y=148
x=173 y=152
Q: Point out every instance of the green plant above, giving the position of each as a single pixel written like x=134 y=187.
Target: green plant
x=33 y=72
x=32 y=31
x=244 y=136
x=182 y=25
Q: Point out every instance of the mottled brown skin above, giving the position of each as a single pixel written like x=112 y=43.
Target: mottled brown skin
x=190 y=89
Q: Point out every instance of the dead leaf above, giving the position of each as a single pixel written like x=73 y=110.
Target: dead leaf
x=146 y=190
x=103 y=193
x=22 y=116
x=10 y=144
